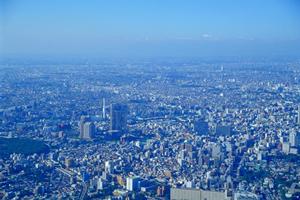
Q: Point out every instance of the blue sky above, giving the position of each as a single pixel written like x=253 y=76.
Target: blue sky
x=149 y=28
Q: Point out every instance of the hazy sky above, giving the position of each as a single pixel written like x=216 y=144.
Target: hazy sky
x=150 y=28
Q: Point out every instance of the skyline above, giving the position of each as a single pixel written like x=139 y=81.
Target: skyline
x=149 y=29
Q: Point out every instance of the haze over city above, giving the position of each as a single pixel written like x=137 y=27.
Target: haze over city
x=150 y=28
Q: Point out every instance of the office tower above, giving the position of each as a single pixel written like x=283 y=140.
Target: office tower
x=100 y=184
x=188 y=147
x=82 y=121
x=216 y=151
x=189 y=184
x=286 y=147
x=103 y=109
x=201 y=127
x=132 y=183
x=294 y=139
x=109 y=167
x=118 y=117
x=88 y=130
x=223 y=130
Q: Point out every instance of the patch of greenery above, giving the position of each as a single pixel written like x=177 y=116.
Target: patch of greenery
x=253 y=176
x=286 y=158
x=21 y=145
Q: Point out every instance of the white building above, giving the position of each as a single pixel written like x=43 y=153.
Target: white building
x=132 y=183
x=294 y=139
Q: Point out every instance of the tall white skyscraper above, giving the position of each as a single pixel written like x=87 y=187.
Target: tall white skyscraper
x=103 y=109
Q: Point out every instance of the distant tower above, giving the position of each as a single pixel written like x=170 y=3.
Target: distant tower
x=118 y=117
x=103 y=109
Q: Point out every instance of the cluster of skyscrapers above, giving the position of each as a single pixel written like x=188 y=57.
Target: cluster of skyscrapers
x=118 y=121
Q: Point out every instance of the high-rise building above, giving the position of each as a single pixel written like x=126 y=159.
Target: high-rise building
x=88 y=130
x=201 y=127
x=103 y=109
x=216 y=151
x=224 y=130
x=83 y=120
x=100 y=184
x=118 y=117
x=294 y=139
x=109 y=167
x=133 y=183
x=286 y=147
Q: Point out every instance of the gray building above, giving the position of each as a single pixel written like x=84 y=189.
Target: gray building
x=88 y=130
x=197 y=194
x=83 y=120
x=223 y=130
x=294 y=139
x=201 y=127
x=118 y=117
